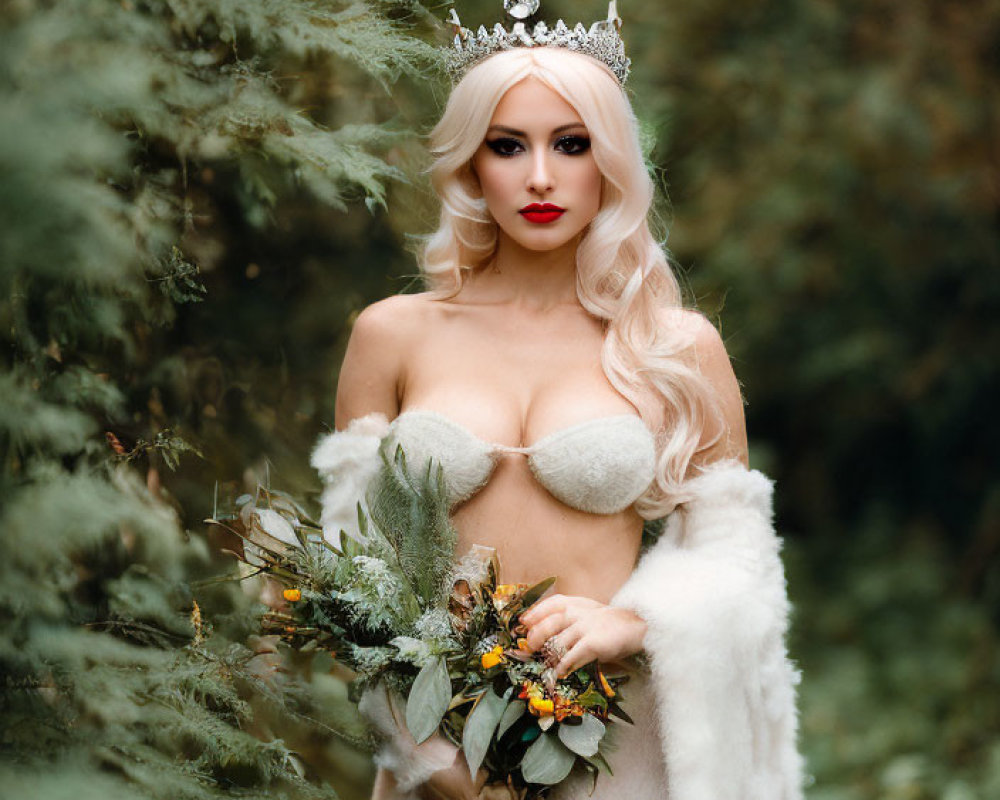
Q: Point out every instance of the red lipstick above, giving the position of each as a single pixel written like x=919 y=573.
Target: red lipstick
x=541 y=213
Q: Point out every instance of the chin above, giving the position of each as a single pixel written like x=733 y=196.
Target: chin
x=543 y=241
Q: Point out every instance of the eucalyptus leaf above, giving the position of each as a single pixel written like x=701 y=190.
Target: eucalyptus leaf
x=511 y=714
x=428 y=700
x=276 y=526
x=479 y=728
x=583 y=739
x=547 y=761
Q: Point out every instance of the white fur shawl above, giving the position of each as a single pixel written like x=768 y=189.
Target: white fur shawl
x=712 y=591
x=347 y=461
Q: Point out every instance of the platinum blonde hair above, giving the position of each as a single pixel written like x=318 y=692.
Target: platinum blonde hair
x=622 y=276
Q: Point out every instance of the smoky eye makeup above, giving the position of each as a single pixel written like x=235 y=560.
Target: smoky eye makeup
x=574 y=144
x=504 y=146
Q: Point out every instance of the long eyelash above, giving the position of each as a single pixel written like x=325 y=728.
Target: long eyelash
x=581 y=144
x=503 y=147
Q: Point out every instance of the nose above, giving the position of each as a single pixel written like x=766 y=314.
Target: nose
x=540 y=178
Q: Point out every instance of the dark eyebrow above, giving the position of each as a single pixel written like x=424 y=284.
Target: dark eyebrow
x=515 y=132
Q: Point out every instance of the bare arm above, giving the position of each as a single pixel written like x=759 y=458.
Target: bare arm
x=371 y=377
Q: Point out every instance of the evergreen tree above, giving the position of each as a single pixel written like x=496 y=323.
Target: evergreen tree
x=128 y=132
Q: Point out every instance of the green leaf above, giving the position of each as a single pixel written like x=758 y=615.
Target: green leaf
x=428 y=700
x=535 y=592
x=583 y=739
x=547 y=761
x=511 y=714
x=479 y=728
x=531 y=732
x=600 y=762
x=362 y=523
x=592 y=698
x=616 y=710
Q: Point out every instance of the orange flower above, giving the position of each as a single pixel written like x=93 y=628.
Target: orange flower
x=605 y=685
x=522 y=644
x=292 y=595
x=541 y=707
x=492 y=658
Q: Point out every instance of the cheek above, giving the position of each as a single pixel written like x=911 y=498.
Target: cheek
x=495 y=184
x=591 y=187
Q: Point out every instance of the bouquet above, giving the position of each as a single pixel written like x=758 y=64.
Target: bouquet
x=394 y=607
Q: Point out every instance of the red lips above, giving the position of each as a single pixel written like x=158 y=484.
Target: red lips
x=541 y=212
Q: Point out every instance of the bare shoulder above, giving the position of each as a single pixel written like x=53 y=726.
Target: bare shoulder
x=393 y=317
x=707 y=354
x=378 y=350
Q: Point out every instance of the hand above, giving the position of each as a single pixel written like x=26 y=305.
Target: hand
x=587 y=629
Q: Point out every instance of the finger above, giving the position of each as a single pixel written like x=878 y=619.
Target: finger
x=578 y=655
x=542 y=608
x=545 y=630
x=564 y=642
x=569 y=636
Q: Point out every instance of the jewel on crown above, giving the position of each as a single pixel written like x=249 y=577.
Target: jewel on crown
x=601 y=41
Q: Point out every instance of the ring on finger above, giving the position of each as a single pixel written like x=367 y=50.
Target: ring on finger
x=553 y=651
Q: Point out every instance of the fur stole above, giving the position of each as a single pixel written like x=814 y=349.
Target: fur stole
x=347 y=461
x=712 y=591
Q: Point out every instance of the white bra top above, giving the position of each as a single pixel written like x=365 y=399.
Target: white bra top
x=601 y=466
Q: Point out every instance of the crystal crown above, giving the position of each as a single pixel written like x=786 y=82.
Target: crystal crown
x=601 y=41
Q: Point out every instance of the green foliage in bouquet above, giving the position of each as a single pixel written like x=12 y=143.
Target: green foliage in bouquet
x=378 y=603
x=394 y=607
x=502 y=702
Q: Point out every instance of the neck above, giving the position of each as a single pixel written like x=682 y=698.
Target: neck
x=532 y=279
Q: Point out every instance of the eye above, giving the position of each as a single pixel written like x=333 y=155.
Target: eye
x=573 y=145
x=504 y=147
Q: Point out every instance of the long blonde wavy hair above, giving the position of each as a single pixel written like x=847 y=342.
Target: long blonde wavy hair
x=622 y=273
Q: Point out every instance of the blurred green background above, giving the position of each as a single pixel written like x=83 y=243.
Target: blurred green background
x=196 y=196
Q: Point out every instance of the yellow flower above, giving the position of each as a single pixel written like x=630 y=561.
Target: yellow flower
x=292 y=595
x=540 y=707
x=522 y=644
x=506 y=592
x=605 y=685
x=492 y=658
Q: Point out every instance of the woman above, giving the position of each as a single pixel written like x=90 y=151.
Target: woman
x=553 y=373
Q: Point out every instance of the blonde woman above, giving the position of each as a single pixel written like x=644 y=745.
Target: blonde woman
x=553 y=372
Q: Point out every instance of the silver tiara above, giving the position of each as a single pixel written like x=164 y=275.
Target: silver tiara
x=602 y=41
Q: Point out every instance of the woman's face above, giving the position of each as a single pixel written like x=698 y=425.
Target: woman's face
x=536 y=168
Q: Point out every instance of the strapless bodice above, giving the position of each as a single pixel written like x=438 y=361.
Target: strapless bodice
x=601 y=466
